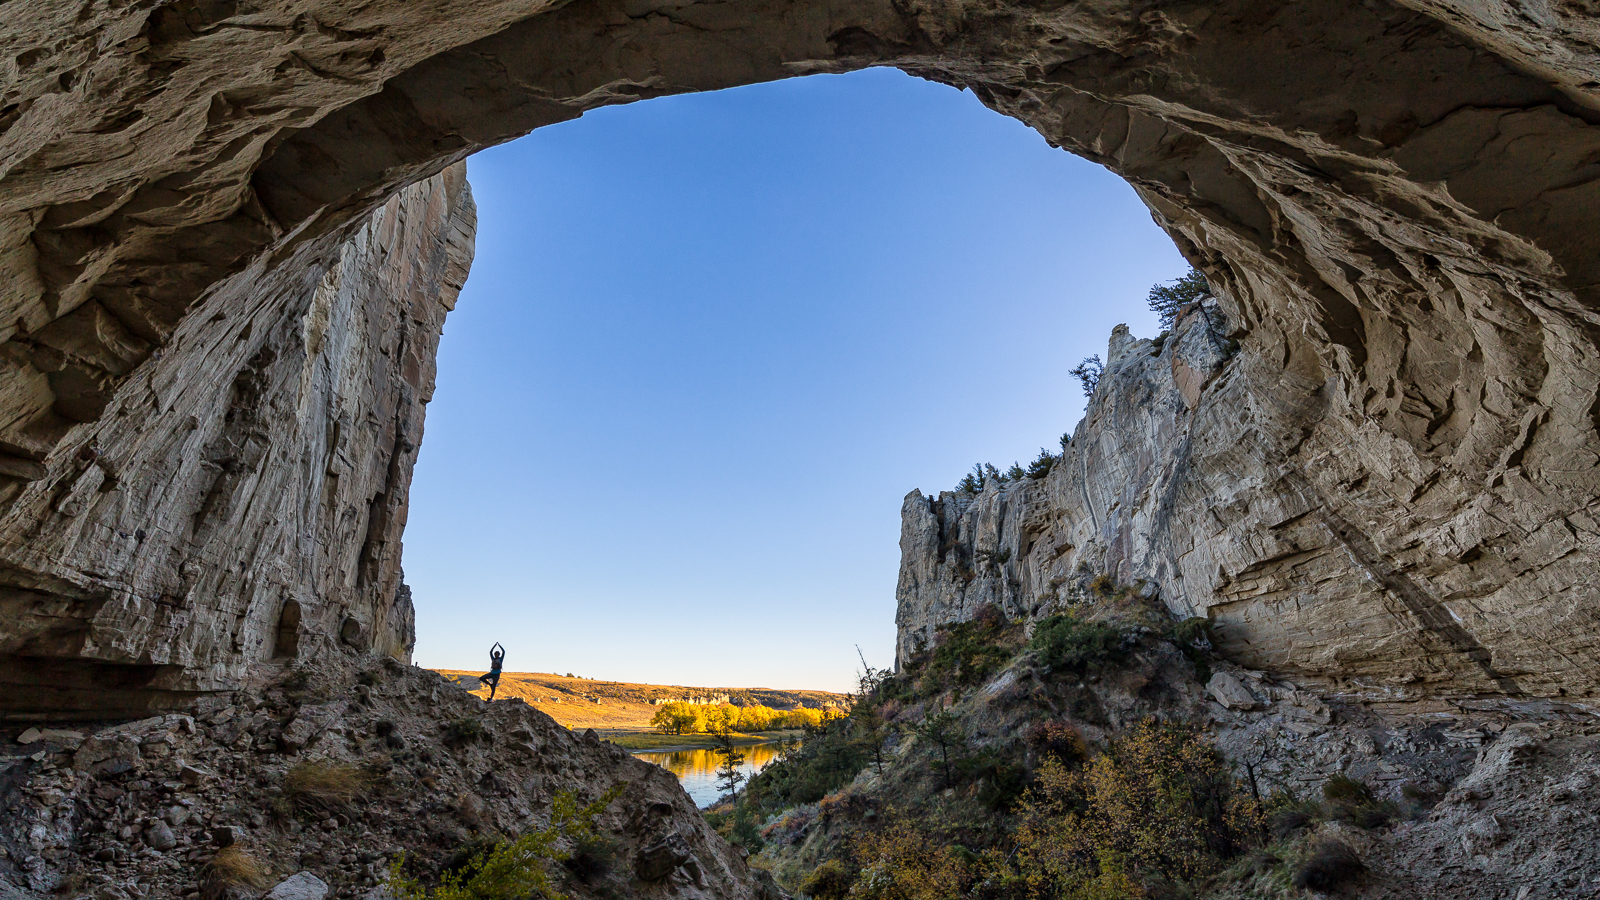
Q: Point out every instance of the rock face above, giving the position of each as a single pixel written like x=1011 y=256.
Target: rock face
x=1395 y=200
x=1296 y=548
x=240 y=500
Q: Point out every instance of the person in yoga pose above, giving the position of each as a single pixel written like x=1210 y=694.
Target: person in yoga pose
x=497 y=656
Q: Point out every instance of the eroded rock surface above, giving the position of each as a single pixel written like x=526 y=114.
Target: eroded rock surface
x=240 y=500
x=1319 y=546
x=1395 y=201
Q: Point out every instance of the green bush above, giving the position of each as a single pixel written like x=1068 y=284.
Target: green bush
x=592 y=858
x=1000 y=779
x=967 y=653
x=1066 y=642
x=829 y=758
x=1193 y=636
x=1287 y=816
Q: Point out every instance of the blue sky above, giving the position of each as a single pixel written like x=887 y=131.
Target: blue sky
x=708 y=345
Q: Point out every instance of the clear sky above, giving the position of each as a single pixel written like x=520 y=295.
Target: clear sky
x=708 y=345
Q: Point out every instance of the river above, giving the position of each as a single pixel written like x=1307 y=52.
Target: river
x=697 y=769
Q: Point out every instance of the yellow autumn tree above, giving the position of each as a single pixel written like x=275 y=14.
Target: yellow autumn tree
x=1160 y=804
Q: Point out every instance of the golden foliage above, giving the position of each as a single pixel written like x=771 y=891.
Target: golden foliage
x=690 y=718
x=1159 y=804
x=900 y=862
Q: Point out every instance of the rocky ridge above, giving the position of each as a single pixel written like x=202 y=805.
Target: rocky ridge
x=143 y=809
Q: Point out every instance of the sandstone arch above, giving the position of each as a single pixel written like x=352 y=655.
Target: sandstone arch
x=222 y=297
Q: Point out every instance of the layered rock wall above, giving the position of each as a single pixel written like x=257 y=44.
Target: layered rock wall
x=241 y=499
x=1331 y=555
x=1396 y=201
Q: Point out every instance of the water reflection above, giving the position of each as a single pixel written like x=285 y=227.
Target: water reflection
x=697 y=769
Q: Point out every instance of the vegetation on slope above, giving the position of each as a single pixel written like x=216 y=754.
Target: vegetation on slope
x=993 y=768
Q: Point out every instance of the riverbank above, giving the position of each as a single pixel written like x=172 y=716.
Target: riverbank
x=622 y=707
x=671 y=743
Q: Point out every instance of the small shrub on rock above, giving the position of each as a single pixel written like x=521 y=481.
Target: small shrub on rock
x=1352 y=802
x=593 y=857
x=1194 y=638
x=1329 y=864
x=233 y=871
x=1289 y=817
x=967 y=653
x=463 y=731
x=1066 y=642
x=514 y=869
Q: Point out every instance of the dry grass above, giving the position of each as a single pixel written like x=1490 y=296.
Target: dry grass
x=1329 y=864
x=231 y=867
x=324 y=786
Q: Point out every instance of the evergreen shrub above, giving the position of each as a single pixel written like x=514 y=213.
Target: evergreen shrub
x=1067 y=642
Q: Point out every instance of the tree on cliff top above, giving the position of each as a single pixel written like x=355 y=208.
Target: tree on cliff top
x=1088 y=372
x=1167 y=300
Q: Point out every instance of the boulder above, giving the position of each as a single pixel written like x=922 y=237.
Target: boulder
x=1231 y=691
x=663 y=857
x=108 y=754
x=310 y=722
x=194 y=776
x=301 y=886
x=159 y=836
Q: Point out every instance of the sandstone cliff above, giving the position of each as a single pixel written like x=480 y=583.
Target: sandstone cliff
x=241 y=499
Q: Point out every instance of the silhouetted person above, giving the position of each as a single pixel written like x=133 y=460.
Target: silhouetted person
x=497 y=657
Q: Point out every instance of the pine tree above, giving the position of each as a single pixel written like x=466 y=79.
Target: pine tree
x=872 y=729
x=729 y=775
x=1041 y=467
x=1167 y=300
x=1088 y=372
x=945 y=732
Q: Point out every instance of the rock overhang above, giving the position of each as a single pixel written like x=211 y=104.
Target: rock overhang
x=1395 y=202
